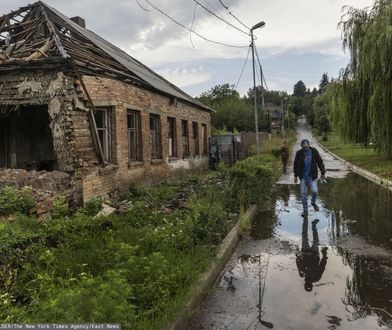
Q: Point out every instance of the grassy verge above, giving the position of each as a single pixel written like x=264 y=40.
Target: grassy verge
x=365 y=158
x=269 y=146
x=135 y=268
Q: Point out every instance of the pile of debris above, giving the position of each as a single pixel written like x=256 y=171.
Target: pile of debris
x=55 y=181
x=46 y=187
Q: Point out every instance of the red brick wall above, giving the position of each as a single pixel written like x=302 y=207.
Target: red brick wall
x=120 y=97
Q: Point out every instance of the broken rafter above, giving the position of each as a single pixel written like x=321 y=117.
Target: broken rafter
x=41 y=51
x=53 y=30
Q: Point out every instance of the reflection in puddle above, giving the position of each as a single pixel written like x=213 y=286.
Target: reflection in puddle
x=332 y=270
x=342 y=255
x=310 y=267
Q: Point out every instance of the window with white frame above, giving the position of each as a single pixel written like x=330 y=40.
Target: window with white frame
x=102 y=121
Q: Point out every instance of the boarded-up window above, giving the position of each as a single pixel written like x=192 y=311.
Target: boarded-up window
x=195 y=137
x=204 y=139
x=134 y=136
x=155 y=136
x=102 y=120
x=172 y=136
x=185 y=138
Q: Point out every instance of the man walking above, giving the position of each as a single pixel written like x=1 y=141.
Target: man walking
x=284 y=153
x=306 y=163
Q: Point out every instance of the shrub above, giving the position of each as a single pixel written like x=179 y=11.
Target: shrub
x=251 y=179
x=91 y=207
x=59 y=208
x=275 y=152
x=12 y=201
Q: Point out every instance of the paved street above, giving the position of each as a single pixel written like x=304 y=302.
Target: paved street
x=332 y=271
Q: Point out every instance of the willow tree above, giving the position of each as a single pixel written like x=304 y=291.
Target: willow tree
x=364 y=92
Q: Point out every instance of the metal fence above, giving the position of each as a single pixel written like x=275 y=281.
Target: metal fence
x=229 y=148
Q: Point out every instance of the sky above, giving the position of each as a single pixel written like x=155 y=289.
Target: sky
x=300 y=40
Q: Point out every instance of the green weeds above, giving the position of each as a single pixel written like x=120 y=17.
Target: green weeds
x=136 y=268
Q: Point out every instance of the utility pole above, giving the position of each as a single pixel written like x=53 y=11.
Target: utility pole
x=281 y=102
x=258 y=25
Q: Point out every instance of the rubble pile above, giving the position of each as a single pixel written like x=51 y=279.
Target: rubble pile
x=46 y=186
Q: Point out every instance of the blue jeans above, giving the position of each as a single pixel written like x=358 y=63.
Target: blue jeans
x=305 y=182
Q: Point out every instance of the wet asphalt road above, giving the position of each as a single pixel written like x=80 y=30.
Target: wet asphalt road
x=331 y=271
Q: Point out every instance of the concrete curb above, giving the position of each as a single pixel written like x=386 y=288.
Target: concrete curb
x=206 y=281
x=366 y=174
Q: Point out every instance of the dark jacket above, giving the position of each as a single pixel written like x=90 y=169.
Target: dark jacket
x=316 y=161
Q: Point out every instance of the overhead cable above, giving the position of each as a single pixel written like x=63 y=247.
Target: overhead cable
x=232 y=15
x=258 y=60
x=243 y=68
x=193 y=22
x=140 y=5
x=187 y=28
x=220 y=18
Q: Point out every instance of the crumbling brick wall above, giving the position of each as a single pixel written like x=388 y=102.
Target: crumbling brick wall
x=68 y=109
x=123 y=97
x=44 y=88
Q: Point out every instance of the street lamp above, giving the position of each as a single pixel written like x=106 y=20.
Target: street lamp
x=258 y=25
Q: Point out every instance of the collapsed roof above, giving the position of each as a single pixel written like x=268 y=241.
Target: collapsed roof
x=39 y=36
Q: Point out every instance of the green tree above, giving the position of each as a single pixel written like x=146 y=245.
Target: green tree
x=299 y=89
x=321 y=110
x=362 y=102
x=231 y=112
x=323 y=83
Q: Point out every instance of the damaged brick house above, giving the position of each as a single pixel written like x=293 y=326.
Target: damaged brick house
x=73 y=103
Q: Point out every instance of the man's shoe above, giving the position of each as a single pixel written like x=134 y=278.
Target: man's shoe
x=304 y=214
x=316 y=208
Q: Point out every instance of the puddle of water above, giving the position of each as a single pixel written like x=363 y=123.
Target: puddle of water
x=349 y=207
x=330 y=271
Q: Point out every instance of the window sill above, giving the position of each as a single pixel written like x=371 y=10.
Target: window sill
x=157 y=161
x=107 y=169
x=186 y=157
x=173 y=159
x=197 y=157
x=135 y=163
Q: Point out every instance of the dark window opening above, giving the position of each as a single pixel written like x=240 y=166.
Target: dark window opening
x=195 y=137
x=185 y=138
x=204 y=139
x=155 y=137
x=172 y=136
x=134 y=136
x=26 y=140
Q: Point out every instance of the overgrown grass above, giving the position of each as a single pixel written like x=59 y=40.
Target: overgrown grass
x=136 y=269
x=273 y=145
x=366 y=158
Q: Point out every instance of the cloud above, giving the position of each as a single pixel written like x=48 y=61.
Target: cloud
x=298 y=28
x=185 y=76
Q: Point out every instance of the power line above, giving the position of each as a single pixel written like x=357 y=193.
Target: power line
x=193 y=22
x=146 y=9
x=243 y=68
x=220 y=18
x=187 y=28
x=212 y=5
x=232 y=15
x=258 y=60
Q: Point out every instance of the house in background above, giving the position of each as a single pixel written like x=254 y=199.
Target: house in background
x=71 y=102
x=273 y=114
